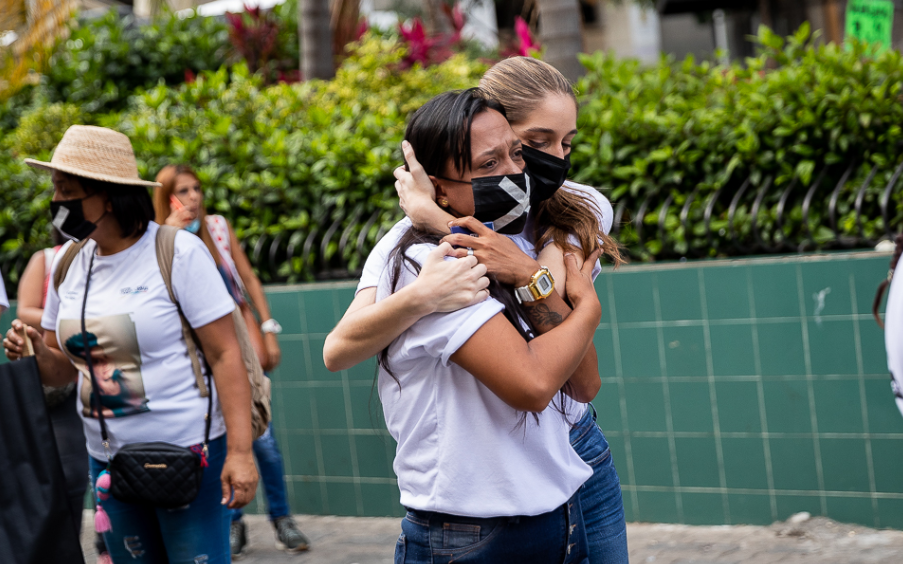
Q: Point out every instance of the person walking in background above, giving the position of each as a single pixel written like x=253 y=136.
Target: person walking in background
x=114 y=293
x=179 y=201
x=61 y=400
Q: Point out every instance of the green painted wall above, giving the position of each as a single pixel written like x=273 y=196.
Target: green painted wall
x=732 y=392
x=728 y=396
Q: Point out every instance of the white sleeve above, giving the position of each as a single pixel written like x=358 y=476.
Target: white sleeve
x=4 y=300
x=893 y=333
x=52 y=304
x=603 y=206
x=440 y=335
x=379 y=257
x=196 y=283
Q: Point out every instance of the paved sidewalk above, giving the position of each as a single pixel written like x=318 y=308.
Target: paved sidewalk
x=800 y=540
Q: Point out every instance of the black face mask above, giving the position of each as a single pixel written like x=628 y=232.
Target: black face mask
x=547 y=172
x=503 y=200
x=69 y=218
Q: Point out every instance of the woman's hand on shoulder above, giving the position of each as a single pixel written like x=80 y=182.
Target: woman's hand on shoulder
x=579 y=286
x=552 y=256
x=449 y=285
x=502 y=257
x=416 y=193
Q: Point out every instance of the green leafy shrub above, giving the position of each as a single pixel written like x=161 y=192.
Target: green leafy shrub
x=105 y=60
x=41 y=128
x=663 y=140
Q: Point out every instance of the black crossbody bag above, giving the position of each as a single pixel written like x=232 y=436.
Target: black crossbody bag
x=157 y=474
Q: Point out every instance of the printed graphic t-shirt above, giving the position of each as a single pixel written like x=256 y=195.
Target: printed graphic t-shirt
x=134 y=337
x=461 y=449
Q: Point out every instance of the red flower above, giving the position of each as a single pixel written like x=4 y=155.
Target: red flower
x=525 y=40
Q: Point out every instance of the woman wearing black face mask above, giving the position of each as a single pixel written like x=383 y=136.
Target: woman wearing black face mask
x=111 y=326
x=565 y=217
x=483 y=480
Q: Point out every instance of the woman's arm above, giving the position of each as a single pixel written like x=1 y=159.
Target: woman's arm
x=221 y=349
x=31 y=291
x=258 y=300
x=369 y=326
x=549 y=313
x=53 y=365
x=527 y=375
x=511 y=266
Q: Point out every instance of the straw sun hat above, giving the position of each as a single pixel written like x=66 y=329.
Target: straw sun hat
x=95 y=152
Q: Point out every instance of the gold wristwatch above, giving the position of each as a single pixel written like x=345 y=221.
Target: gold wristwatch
x=541 y=286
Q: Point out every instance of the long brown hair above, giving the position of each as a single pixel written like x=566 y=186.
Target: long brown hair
x=879 y=294
x=167 y=177
x=520 y=84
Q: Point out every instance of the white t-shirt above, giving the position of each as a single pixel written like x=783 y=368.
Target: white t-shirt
x=4 y=300
x=139 y=355
x=893 y=334
x=461 y=449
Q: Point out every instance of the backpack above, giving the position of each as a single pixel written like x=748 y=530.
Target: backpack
x=261 y=413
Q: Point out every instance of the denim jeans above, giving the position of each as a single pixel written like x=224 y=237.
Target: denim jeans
x=272 y=474
x=438 y=538
x=600 y=495
x=196 y=534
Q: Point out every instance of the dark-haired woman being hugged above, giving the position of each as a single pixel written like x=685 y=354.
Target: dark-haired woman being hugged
x=472 y=398
x=112 y=322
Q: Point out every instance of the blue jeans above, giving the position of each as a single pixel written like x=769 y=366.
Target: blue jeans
x=438 y=538
x=272 y=474
x=197 y=534
x=600 y=495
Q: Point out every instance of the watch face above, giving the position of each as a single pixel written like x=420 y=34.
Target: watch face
x=544 y=284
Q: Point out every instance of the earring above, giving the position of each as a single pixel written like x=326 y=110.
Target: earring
x=443 y=202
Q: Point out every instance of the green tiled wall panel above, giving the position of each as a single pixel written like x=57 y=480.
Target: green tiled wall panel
x=735 y=391
x=732 y=392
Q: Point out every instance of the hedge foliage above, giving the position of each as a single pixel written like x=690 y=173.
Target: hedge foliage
x=647 y=134
x=285 y=160
x=273 y=159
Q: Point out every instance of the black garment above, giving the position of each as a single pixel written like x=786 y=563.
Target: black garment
x=35 y=517
x=70 y=443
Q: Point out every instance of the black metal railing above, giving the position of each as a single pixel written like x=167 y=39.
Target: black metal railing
x=746 y=217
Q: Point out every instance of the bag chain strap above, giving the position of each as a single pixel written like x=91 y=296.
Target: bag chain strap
x=96 y=388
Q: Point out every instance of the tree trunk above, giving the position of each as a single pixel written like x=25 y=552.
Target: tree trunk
x=832 y=21
x=560 y=34
x=314 y=30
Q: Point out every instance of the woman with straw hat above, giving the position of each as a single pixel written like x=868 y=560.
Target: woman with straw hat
x=113 y=307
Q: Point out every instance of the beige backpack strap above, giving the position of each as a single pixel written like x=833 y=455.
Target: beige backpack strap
x=166 y=252
x=65 y=262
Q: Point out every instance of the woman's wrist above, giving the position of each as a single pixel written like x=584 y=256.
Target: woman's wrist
x=421 y=299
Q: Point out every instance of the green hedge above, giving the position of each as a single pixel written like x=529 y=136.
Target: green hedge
x=278 y=159
x=650 y=133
